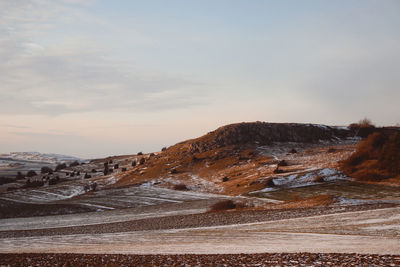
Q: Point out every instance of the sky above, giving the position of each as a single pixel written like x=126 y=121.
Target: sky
x=94 y=78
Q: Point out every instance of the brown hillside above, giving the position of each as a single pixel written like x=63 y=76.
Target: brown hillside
x=228 y=159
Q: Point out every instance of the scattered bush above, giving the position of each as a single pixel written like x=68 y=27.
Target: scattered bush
x=20 y=176
x=73 y=164
x=223 y=205
x=46 y=169
x=6 y=180
x=277 y=170
x=225 y=179
x=331 y=150
x=94 y=170
x=140 y=153
x=173 y=171
x=61 y=166
x=87 y=176
x=106 y=168
x=142 y=161
x=31 y=173
x=133 y=163
x=123 y=169
x=116 y=166
x=181 y=187
x=269 y=182
x=282 y=163
x=318 y=179
x=293 y=151
x=33 y=183
x=363 y=128
x=164 y=149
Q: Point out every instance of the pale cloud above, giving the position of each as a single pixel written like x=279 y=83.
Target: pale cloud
x=74 y=74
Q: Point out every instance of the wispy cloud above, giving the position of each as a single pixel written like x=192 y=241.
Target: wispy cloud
x=74 y=74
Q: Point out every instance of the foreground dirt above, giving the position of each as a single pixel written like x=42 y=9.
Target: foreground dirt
x=193 y=220
x=264 y=259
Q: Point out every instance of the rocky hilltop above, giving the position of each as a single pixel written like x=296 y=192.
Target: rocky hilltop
x=263 y=133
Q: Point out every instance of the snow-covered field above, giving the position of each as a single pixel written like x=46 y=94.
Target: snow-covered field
x=291 y=235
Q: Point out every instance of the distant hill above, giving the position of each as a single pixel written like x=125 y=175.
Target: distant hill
x=38 y=157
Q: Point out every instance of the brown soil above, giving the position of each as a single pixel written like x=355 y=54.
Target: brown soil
x=263 y=259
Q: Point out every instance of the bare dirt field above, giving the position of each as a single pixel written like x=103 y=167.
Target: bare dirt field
x=264 y=259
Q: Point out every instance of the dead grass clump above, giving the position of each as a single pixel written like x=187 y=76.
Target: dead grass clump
x=277 y=170
x=318 y=179
x=223 y=205
x=225 y=179
x=181 y=187
x=331 y=150
x=283 y=163
x=269 y=182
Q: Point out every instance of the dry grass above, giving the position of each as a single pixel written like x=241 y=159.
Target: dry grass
x=296 y=203
x=376 y=158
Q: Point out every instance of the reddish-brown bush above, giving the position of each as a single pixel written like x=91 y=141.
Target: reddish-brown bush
x=376 y=158
x=223 y=205
x=181 y=187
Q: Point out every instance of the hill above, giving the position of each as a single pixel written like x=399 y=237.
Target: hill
x=240 y=158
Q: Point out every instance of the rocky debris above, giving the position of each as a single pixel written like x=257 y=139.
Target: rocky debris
x=263 y=133
x=262 y=259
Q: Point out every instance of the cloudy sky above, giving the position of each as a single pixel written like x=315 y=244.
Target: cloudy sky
x=93 y=78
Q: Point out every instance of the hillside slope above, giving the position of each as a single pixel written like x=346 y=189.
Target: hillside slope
x=240 y=158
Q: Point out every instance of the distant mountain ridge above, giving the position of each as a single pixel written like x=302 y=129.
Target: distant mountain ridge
x=39 y=157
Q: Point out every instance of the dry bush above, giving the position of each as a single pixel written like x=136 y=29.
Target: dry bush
x=181 y=187
x=283 y=163
x=223 y=205
x=363 y=128
x=318 y=179
x=376 y=158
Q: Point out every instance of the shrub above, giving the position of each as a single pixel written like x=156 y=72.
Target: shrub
x=269 y=182
x=61 y=166
x=31 y=173
x=293 y=151
x=33 y=183
x=73 y=164
x=94 y=170
x=181 y=187
x=277 y=170
x=225 y=179
x=140 y=153
x=363 y=128
x=376 y=158
x=46 y=169
x=283 y=163
x=20 y=176
x=223 y=205
x=123 y=169
x=164 y=149
x=116 y=166
x=133 y=163
x=142 y=161
x=87 y=176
